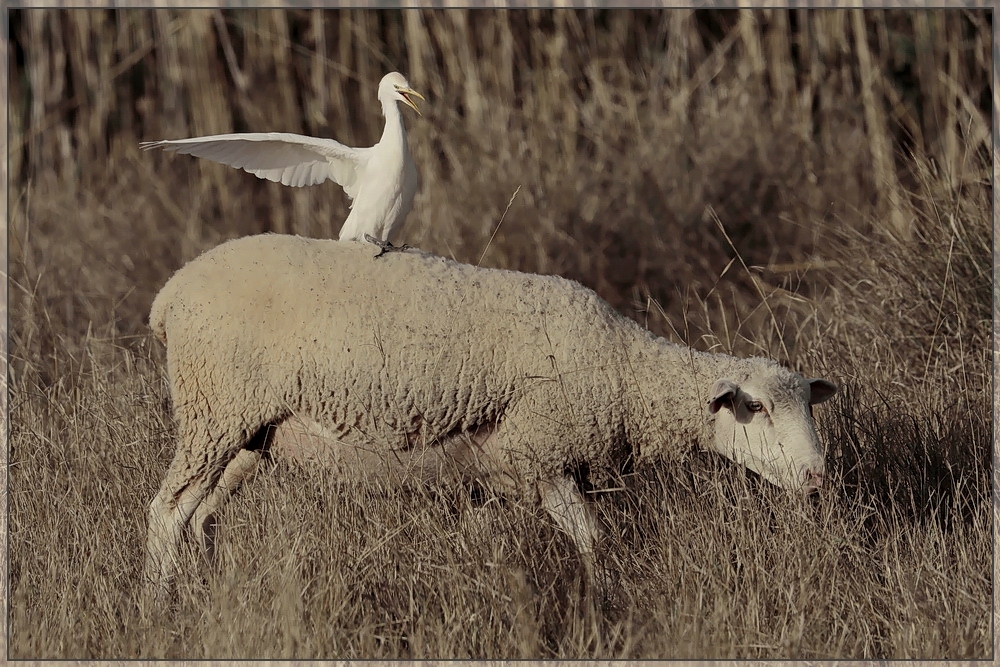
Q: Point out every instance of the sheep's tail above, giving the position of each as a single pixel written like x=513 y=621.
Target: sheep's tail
x=159 y=310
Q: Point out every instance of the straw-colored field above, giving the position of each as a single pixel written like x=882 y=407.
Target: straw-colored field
x=809 y=185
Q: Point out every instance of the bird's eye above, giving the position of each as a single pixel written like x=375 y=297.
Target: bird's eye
x=755 y=406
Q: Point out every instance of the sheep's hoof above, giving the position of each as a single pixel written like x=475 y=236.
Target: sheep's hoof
x=385 y=246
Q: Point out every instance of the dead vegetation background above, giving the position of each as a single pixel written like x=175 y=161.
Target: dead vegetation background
x=808 y=184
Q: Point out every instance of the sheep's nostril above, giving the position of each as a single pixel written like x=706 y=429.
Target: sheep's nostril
x=814 y=479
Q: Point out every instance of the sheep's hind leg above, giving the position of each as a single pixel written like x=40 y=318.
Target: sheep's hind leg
x=203 y=522
x=168 y=513
x=200 y=461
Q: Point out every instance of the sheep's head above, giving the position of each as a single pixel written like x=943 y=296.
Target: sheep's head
x=764 y=422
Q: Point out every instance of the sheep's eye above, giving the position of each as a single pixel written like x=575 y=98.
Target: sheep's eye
x=755 y=406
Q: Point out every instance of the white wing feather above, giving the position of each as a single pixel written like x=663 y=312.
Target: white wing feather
x=290 y=159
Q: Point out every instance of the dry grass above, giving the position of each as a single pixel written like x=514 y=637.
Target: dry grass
x=811 y=185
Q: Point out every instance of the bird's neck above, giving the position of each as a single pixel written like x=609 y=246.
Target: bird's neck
x=394 y=132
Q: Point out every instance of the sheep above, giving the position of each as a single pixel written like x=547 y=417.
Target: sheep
x=419 y=367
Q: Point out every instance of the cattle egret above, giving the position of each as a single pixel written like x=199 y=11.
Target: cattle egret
x=381 y=180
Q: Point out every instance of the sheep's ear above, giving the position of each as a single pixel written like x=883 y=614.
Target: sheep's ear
x=820 y=390
x=723 y=395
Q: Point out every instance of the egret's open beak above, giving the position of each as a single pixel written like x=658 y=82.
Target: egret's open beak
x=406 y=93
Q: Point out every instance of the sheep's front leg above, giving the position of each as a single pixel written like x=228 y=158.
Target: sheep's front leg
x=574 y=515
x=566 y=505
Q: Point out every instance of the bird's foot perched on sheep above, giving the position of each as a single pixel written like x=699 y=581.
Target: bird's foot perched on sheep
x=385 y=246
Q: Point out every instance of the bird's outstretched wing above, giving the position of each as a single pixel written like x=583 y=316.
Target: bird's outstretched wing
x=290 y=159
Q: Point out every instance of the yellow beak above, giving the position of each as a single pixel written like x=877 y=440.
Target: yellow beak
x=406 y=93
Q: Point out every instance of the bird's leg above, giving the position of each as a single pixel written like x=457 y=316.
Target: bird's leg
x=385 y=246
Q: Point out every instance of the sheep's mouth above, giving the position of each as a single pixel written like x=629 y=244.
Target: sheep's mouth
x=781 y=476
x=813 y=483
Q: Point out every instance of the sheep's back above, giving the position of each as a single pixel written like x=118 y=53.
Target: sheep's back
x=406 y=343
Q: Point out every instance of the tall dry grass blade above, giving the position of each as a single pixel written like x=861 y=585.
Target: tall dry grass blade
x=461 y=36
x=345 y=23
x=978 y=137
x=749 y=31
x=497 y=229
x=709 y=67
x=167 y=81
x=681 y=34
x=953 y=149
x=505 y=77
x=367 y=48
x=781 y=72
x=318 y=105
x=417 y=44
x=883 y=164
x=925 y=55
x=754 y=281
x=286 y=87
x=235 y=73
x=38 y=63
x=940 y=308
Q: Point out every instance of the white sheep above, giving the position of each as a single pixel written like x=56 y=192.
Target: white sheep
x=414 y=366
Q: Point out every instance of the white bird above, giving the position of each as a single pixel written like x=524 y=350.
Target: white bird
x=380 y=180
